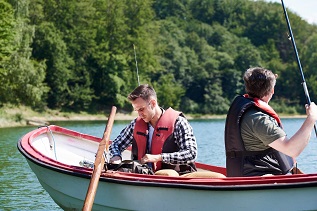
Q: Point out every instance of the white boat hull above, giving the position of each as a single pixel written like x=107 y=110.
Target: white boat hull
x=69 y=192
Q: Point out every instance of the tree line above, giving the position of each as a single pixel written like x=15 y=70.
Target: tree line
x=78 y=55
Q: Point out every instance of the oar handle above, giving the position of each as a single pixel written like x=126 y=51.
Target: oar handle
x=99 y=163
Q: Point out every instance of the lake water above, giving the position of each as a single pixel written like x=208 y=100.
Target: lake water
x=20 y=189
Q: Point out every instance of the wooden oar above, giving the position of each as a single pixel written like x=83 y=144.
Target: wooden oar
x=99 y=163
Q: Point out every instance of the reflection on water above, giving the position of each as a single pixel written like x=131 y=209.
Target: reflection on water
x=20 y=189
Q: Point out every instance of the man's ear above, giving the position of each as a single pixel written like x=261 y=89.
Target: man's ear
x=153 y=103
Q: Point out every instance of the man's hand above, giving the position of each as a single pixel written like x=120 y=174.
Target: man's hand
x=149 y=158
x=311 y=110
x=115 y=160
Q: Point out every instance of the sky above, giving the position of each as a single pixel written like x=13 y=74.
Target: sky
x=306 y=9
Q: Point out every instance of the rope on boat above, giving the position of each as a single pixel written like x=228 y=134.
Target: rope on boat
x=52 y=138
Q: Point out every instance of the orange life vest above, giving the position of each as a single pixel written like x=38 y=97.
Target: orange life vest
x=162 y=139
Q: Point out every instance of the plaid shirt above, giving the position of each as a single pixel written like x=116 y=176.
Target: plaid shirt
x=183 y=137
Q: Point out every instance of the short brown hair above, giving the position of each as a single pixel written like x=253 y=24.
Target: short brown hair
x=144 y=91
x=259 y=81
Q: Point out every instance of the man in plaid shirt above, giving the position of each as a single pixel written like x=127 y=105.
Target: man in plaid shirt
x=161 y=138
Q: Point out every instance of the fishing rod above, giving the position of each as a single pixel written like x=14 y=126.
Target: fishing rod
x=291 y=37
x=136 y=65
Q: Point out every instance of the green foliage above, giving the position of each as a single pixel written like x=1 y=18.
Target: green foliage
x=79 y=55
x=121 y=24
x=169 y=92
x=18 y=117
x=7 y=33
x=167 y=8
x=49 y=46
x=24 y=78
x=282 y=106
x=310 y=60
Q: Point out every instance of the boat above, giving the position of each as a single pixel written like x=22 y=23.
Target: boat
x=61 y=160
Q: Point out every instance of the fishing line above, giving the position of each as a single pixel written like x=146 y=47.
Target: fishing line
x=136 y=65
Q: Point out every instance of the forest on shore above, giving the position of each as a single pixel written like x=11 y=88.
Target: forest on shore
x=84 y=55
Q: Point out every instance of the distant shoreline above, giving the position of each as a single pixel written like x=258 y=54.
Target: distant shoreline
x=24 y=118
x=46 y=119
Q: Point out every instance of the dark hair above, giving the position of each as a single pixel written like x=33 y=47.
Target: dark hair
x=144 y=91
x=259 y=81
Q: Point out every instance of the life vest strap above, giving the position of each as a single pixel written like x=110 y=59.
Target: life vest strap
x=237 y=154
